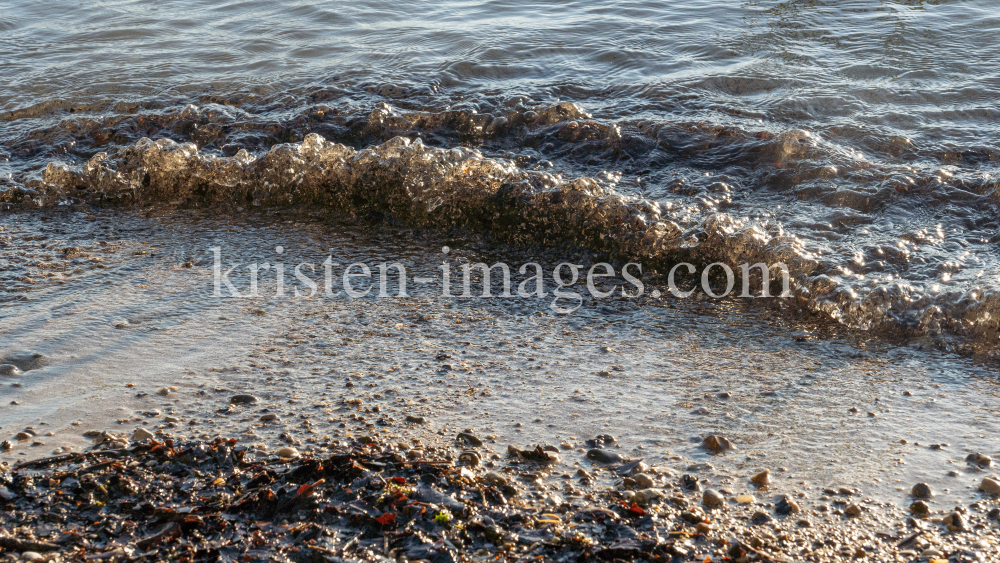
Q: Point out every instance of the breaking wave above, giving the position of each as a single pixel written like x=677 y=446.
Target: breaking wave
x=878 y=234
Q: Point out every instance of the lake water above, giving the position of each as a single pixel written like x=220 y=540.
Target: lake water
x=855 y=141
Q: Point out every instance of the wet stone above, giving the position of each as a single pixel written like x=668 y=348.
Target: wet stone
x=979 y=459
x=853 y=510
x=712 y=498
x=919 y=507
x=786 y=506
x=717 y=444
x=921 y=490
x=602 y=456
x=760 y=517
x=761 y=479
x=643 y=481
x=415 y=419
x=141 y=434
x=9 y=370
x=690 y=482
x=990 y=486
x=243 y=399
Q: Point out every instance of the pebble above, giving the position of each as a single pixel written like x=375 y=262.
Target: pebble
x=643 y=481
x=646 y=495
x=980 y=459
x=712 y=498
x=703 y=528
x=495 y=478
x=269 y=417
x=164 y=392
x=762 y=479
x=602 y=456
x=10 y=370
x=919 y=507
x=853 y=510
x=242 y=399
x=786 y=506
x=745 y=499
x=472 y=439
x=23 y=436
x=141 y=434
x=990 y=486
x=690 y=482
x=287 y=452
x=922 y=490
x=717 y=443
x=760 y=517
x=469 y=457
x=32 y=556
x=415 y=419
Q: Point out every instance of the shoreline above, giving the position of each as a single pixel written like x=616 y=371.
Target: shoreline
x=441 y=498
x=327 y=373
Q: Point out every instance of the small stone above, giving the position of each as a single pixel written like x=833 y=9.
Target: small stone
x=287 y=452
x=169 y=419
x=786 y=506
x=760 y=517
x=922 y=490
x=762 y=479
x=269 y=417
x=853 y=510
x=717 y=443
x=724 y=395
x=415 y=419
x=6 y=445
x=804 y=524
x=919 y=507
x=643 y=481
x=993 y=514
x=141 y=434
x=703 y=528
x=164 y=392
x=469 y=457
x=990 y=486
x=690 y=482
x=712 y=498
x=644 y=496
x=23 y=436
x=9 y=370
x=495 y=478
x=854 y=410
x=32 y=556
x=745 y=499
x=980 y=459
x=243 y=399
x=603 y=456
x=473 y=440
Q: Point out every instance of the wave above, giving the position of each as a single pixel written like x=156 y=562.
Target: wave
x=864 y=235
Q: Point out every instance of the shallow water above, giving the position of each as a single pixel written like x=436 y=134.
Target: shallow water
x=146 y=319
x=853 y=140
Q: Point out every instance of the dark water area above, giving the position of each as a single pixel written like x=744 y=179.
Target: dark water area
x=854 y=141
